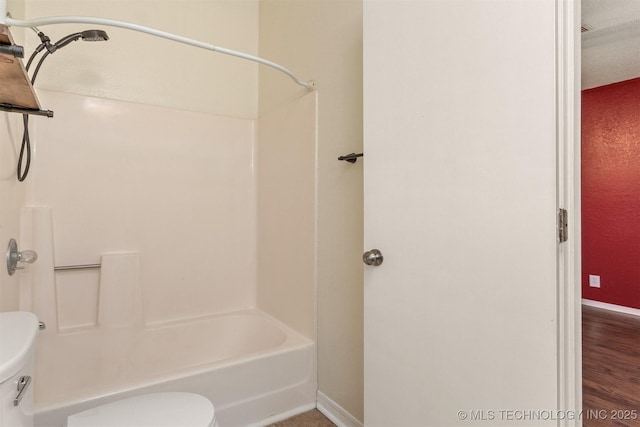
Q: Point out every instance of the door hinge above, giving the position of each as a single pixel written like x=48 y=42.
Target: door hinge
x=563 y=231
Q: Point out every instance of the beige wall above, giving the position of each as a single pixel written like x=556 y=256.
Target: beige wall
x=137 y=67
x=286 y=187
x=322 y=41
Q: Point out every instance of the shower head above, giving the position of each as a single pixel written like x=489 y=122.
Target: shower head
x=94 y=36
x=88 y=35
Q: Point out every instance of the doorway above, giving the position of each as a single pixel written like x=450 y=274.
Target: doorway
x=610 y=180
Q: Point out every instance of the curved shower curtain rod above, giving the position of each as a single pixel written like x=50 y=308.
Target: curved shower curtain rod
x=154 y=32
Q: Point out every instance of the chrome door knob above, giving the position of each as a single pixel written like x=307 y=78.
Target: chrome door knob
x=373 y=257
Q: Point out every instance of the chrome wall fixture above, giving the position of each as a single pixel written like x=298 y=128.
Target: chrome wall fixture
x=351 y=158
x=77 y=267
x=14 y=257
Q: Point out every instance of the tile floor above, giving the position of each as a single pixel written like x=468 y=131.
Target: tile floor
x=313 y=418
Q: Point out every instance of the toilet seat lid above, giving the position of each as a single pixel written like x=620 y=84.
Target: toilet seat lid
x=169 y=409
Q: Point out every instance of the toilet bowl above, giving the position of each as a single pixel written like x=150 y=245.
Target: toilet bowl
x=18 y=334
x=169 y=409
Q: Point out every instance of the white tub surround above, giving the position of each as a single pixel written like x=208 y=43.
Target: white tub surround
x=176 y=187
x=166 y=202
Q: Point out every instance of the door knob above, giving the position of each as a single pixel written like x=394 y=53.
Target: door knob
x=373 y=257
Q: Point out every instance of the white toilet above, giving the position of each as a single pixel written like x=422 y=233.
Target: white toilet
x=169 y=409
x=18 y=334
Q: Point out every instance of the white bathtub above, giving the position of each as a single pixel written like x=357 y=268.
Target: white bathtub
x=253 y=368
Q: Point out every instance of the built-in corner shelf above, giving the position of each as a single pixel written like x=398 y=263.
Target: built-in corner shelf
x=16 y=93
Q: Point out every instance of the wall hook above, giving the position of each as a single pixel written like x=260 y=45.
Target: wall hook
x=351 y=158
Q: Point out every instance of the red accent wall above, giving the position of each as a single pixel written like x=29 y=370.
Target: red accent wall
x=611 y=192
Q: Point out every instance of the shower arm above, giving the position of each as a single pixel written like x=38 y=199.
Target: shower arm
x=8 y=20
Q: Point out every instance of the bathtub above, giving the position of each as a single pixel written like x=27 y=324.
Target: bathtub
x=255 y=369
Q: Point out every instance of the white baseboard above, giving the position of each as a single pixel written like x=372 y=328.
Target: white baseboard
x=336 y=413
x=611 y=307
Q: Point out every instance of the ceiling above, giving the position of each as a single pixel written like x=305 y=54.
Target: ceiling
x=611 y=44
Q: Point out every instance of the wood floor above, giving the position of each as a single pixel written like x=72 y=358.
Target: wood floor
x=610 y=368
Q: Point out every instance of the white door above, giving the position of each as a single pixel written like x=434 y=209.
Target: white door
x=460 y=198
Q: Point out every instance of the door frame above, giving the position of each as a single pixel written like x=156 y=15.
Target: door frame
x=568 y=80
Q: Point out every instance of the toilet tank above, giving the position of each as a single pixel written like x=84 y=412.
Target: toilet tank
x=18 y=334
